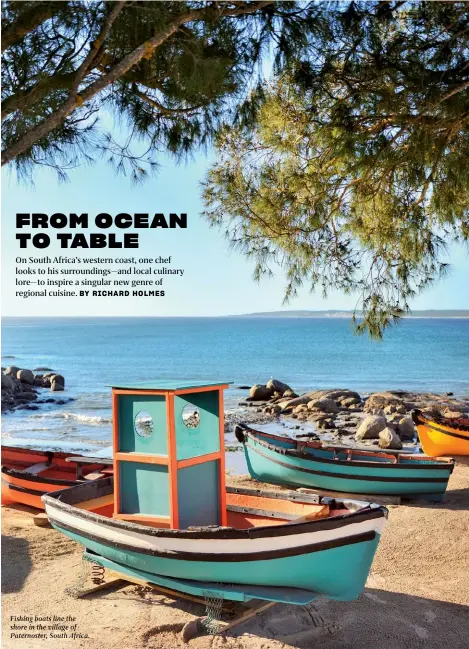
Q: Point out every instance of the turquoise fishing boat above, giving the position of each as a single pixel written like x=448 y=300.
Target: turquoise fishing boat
x=282 y=460
x=282 y=546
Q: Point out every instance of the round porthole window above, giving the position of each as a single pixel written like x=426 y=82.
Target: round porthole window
x=143 y=424
x=190 y=416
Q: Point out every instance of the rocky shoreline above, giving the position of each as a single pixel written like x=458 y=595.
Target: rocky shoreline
x=382 y=418
x=21 y=388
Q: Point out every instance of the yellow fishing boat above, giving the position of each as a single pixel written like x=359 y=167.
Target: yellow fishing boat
x=442 y=436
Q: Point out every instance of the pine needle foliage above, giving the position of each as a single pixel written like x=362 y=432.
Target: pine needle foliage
x=168 y=73
x=356 y=175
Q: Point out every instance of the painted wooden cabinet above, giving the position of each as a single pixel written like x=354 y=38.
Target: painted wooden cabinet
x=169 y=453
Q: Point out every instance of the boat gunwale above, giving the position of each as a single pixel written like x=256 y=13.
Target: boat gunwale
x=366 y=511
x=227 y=557
x=436 y=463
x=436 y=423
x=31 y=477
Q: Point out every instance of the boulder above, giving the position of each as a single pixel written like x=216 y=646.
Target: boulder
x=12 y=369
x=25 y=376
x=326 y=405
x=291 y=403
x=405 y=428
x=301 y=408
x=388 y=438
x=56 y=387
x=391 y=409
x=370 y=427
x=7 y=382
x=38 y=382
x=341 y=394
x=349 y=401
x=45 y=369
x=58 y=378
x=260 y=392
x=454 y=414
x=381 y=400
x=277 y=386
x=401 y=410
x=290 y=393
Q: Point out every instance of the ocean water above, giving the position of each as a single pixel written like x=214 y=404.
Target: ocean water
x=307 y=353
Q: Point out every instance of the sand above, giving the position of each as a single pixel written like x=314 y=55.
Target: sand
x=417 y=594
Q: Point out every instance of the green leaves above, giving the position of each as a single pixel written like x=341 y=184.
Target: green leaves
x=354 y=177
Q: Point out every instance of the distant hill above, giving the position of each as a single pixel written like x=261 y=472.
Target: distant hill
x=431 y=313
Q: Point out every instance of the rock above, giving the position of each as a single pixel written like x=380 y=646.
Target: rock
x=401 y=410
x=379 y=412
x=290 y=393
x=301 y=408
x=56 y=387
x=326 y=405
x=28 y=406
x=341 y=394
x=349 y=401
x=38 y=382
x=243 y=403
x=244 y=387
x=58 y=378
x=388 y=438
x=432 y=411
x=45 y=369
x=12 y=369
x=453 y=414
x=449 y=394
x=370 y=427
x=389 y=410
x=277 y=386
x=7 y=382
x=260 y=392
x=382 y=399
x=405 y=428
x=25 y=376
x=275 y=409
x=291 y=403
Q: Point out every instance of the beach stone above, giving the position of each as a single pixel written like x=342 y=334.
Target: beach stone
x=389 y=410
x=379 y=412
x=405 y=428
x=56 y=387
x=301 y=408
x=12 y=369
x=43 y=369
x=290 y=393
x=349 y=401
x=38 y=382
x=57 y=378
x=341 y=394
x=25 y=376
x=291 y=403
x=326 y=405
x=388 y=438
x=7 y=382
x=244 y=387
x=370 y=427
x=260 y=392
x=277 y=386
x=453 y=414
x=381 y=400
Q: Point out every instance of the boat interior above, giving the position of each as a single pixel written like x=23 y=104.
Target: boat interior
x=345 y=453
x=246 y=508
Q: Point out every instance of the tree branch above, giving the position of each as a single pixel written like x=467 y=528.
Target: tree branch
x=27 y=21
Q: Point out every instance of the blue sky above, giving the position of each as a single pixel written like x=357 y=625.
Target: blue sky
x=217 y=281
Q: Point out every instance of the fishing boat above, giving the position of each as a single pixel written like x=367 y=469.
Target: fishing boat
x=28 y=474
x=442 y=436
x=282 y=460
x=285 y=542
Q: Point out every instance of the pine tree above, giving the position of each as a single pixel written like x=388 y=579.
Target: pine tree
x=356 y=176
x=170 y=72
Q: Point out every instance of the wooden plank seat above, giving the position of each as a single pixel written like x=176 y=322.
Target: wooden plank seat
x=80 y=460
x=36 y=469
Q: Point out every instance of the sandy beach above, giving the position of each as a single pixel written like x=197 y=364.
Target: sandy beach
x=417 y=593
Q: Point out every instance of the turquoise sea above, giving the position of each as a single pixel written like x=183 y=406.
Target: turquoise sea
x=307 y=353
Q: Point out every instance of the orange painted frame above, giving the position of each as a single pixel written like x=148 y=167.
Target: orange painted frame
x=221 y=465
x=141 y=457
x=172 y=464
x=200 y=459
x=162 y=520
x=115 y=441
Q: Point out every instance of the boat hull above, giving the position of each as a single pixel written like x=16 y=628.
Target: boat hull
x=438 y=438
x=18 y=486
x=278 y=462
x=331 y=557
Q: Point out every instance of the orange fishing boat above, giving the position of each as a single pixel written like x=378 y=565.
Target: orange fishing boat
x=442 y=436
x=28 y=474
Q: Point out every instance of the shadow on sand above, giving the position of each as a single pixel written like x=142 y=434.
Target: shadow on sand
x=377 y=619
x=16 y=563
